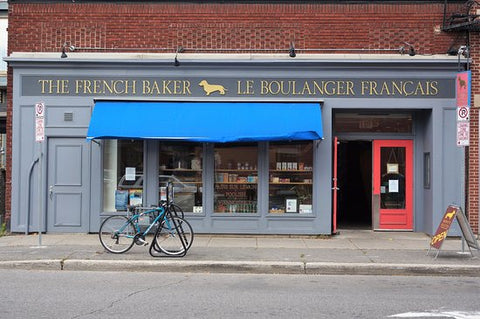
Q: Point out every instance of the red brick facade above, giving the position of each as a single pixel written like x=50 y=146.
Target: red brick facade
x=156 y=26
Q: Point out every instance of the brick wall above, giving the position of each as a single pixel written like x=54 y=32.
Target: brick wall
x=473 y=150
x=139 y=27
x=45 y=27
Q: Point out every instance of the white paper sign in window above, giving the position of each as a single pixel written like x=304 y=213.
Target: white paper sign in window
x=130 y=173
x=393 y=186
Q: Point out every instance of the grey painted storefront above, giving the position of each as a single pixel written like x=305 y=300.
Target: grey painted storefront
x=68 y=159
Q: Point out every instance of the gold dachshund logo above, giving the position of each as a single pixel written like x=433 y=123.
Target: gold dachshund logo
x=450 y=215
x=211 y=88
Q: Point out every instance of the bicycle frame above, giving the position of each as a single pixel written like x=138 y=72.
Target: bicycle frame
x=134 y=220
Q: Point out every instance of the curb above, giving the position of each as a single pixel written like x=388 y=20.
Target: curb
x=253 y=267
x=319 y=268
x=45 y=264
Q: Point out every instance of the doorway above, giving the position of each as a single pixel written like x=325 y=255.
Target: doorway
x=68 y=189
x=354 y=203
x=393 y=184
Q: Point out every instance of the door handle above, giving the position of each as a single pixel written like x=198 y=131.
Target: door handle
x=50 y=191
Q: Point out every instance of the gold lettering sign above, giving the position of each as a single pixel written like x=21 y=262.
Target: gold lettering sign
x=230 y=87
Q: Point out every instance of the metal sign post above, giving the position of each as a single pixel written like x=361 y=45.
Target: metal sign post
x=39 y=138
x=463 y=85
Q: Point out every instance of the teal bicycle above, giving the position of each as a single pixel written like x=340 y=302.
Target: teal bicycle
x=173 y=235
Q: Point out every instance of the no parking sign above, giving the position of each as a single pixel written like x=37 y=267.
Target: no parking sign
x=39 y=122
x=463 y=113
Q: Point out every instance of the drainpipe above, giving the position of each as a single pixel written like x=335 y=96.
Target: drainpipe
x=27 y=225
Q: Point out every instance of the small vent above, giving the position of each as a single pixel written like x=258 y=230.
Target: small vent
x=68 y=117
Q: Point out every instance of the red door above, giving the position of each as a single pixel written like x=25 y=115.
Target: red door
x=335 y=185
x=392 y=184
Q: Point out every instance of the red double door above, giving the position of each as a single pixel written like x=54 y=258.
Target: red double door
x=392 y=185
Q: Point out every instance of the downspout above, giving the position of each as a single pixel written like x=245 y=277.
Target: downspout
x=27 y=225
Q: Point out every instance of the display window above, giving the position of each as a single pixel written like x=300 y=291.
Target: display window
x=236 y=178
x=122 y=174
x=181 y=165
x=291 y=178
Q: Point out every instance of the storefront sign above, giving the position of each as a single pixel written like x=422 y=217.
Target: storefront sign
x=216 y=87
x=442 y=230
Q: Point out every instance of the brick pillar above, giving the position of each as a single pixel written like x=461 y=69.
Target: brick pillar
x=473 y=150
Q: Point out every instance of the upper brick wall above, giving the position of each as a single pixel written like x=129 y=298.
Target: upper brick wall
x=46 y=27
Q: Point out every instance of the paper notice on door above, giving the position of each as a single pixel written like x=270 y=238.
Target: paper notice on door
x=130 y=173
x=393 y=186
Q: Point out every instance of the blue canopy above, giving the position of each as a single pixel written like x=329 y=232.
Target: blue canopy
x=206 y=122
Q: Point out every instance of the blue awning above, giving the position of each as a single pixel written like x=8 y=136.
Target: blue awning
x=205 y=122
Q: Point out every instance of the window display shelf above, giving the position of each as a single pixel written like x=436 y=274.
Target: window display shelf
x=236 y=170
x=181 y=170
x=291 y=171
x=242 y=183
x=290 y=183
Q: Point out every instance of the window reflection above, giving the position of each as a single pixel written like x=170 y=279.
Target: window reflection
x=181 y=164
x=122 y=174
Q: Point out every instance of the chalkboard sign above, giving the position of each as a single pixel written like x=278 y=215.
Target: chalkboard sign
x=442 y=230
x=447 y=220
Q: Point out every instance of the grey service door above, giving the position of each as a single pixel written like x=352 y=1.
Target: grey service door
x=68 y=187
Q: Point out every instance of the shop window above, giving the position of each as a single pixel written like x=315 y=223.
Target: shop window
x=122 y=174
x=357 y=122
x=236 y=178
x=392 y=188
x=291 y=178
x=181 y=164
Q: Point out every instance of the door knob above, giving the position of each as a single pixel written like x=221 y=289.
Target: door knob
x=50 y=191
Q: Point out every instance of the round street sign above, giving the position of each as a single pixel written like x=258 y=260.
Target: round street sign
x=463 y=113
x=39 y=109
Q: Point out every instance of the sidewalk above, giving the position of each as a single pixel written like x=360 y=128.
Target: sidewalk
x=350 y=252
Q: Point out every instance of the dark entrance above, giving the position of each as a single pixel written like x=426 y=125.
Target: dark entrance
x=354 y=206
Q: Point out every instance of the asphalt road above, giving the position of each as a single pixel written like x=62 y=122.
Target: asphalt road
x=64 y=294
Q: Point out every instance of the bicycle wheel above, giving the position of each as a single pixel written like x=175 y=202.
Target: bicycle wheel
x=174 y=236
x=116 y=234
x=176 y=210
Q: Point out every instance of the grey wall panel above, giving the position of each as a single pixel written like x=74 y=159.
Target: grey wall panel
x=323 y=175
x=67 y=116
x=285 y=226
x=452 y=169
x=96 y=183
x=425 y=121
x=23 y=156
x=150 y=164
x=236 y=225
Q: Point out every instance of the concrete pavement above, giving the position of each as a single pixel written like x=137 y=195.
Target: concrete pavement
x=350 y=252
